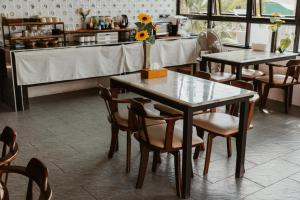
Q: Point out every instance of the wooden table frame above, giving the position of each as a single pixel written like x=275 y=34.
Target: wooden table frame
x=239 y=65
x=188 y=129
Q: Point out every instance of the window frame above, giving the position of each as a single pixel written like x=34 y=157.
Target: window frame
x=251 y=17
x=264 y=15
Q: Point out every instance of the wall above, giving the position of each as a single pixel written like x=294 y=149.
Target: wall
x=66 y=9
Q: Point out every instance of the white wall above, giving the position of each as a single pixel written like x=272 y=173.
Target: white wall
x=66 y=9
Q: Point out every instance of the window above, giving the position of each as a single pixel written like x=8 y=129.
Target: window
x=233 y=7
x=284 y=32
x=196 y=26
x=193 y=6
x=231 y=32
x=260 y=33
x=284 y=7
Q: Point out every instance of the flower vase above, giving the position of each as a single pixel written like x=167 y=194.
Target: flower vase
x=274 y=41
x=84 y=24
x=146 y=48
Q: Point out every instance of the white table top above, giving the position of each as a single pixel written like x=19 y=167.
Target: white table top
x=185 y=89
x=248 y=56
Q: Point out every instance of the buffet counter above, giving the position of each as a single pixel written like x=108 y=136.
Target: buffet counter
x=32 y=67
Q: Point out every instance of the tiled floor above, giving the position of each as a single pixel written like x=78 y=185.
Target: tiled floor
x=71 y=135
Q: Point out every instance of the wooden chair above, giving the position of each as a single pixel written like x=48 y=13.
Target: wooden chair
x=285 y=82
x=37 y=173
x=159 y=138
x=222 y=124
x=9 y=148
x=118 y=119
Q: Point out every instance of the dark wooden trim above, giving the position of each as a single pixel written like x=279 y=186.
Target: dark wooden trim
x=248 y=19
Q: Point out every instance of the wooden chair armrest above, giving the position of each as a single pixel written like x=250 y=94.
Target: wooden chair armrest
x=121 y=100
x=161 y=117
x=142 y=100
x=275 y=65
x=13 y=169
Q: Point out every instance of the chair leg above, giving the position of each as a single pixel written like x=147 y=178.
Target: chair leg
x=208 y=153
x=291 y=96
x=143 y=166
x=265 y=96
x=200 y=133
x=286 y=99
x=260 y=93
x=114 y=141
x=177 y=172
x=156 y=160
x=128 y=157
x=229 y=149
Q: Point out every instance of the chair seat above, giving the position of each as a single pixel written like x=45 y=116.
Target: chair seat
x=278 y=79
x=157 y=135
x=222 y=77
x=171 y=111
x=219 y=123
x=122 y=118
x=251 y=73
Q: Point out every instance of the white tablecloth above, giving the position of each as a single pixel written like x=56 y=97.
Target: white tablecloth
x=52 y=65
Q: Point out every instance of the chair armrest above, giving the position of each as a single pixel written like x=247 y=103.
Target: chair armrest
x=161 y=117
x=13 y=169
x=142 y=100
x=121 y=100
x=275 y=65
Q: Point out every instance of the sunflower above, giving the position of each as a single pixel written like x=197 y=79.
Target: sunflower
x=142 y=35
x=144 y=18
x=275 y=14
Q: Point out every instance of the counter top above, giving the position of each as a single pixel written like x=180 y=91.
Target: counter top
x=91 y=44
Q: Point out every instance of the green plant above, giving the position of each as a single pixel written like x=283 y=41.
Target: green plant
x=284 y=44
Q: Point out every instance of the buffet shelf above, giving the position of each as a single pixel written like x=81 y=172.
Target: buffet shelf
x=33 y=23
x=99 y=31
x=37 y=37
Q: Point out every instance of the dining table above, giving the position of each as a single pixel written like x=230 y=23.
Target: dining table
x=191 y=94
x=244 y=58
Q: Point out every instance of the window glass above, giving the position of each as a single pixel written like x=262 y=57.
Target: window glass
x=234 y=7
x=286 y=32
x=193 y=6
x=284 y=7
x=196 y=26
x=231 y=32
x=261 y=34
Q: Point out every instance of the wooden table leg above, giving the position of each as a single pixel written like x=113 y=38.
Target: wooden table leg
x=187 y=153
x=203 y=65
x=238 y=70
x=241 y=140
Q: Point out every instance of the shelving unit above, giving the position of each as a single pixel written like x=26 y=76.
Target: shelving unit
x=7 y=25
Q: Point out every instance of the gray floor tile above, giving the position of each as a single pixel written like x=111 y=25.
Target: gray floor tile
x=286 y=189
x=271 y=172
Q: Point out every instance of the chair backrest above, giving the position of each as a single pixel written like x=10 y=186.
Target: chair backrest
x=293 y=71
x=139 y=121
x=37 y=173
x=137 y=109
x=107 y=96
x=203 y=75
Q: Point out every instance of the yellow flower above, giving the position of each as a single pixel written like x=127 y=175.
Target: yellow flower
x=142 y=35
x=275 y=14
x=144 y=18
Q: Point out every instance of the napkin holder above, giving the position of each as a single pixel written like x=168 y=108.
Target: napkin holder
x=154 y=73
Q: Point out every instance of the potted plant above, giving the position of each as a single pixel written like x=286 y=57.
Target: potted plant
x=276 y=23
x=84 y=13
x=145 y=33
x=284 y=44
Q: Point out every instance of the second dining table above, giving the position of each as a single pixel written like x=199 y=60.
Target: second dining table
x=244 y=58
x=190 y=94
